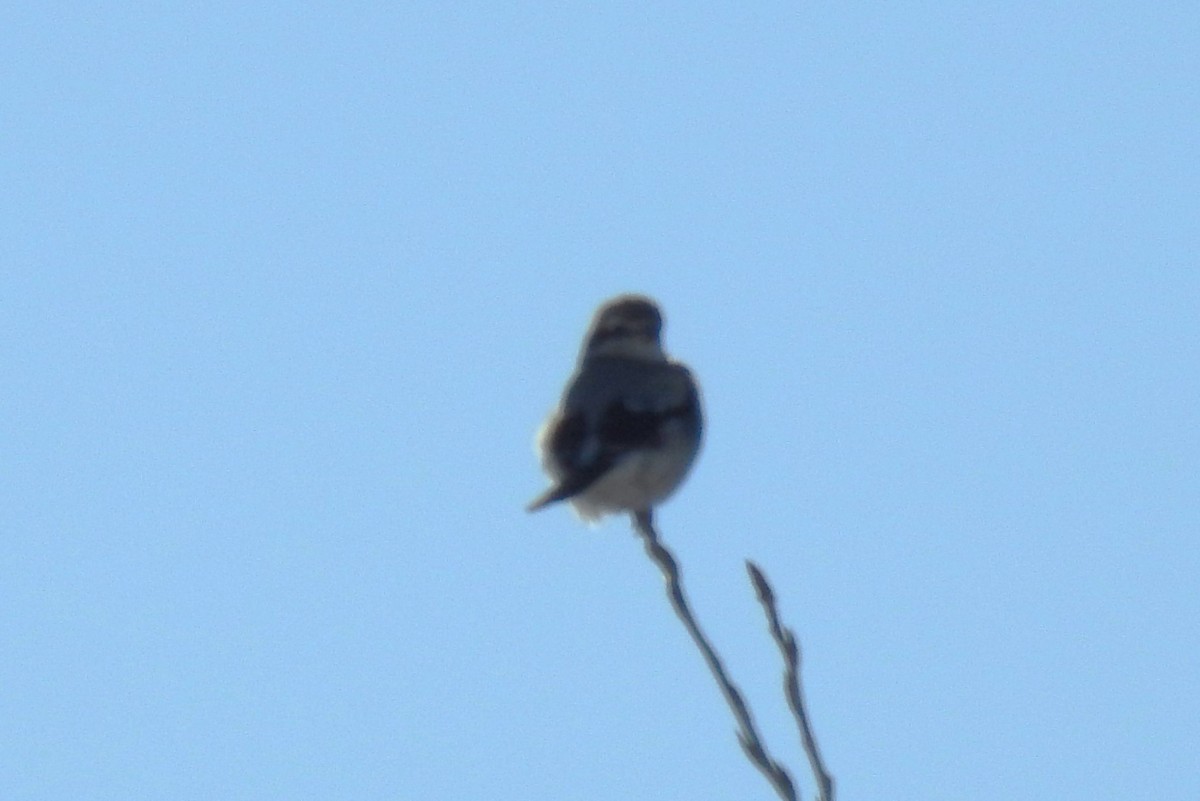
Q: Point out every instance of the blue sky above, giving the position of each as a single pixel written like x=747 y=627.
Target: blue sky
x=287 y=288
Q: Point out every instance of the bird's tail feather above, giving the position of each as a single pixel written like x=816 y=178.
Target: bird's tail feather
x=552 y=495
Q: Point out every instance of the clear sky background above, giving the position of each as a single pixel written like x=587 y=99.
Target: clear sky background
x=286 y=288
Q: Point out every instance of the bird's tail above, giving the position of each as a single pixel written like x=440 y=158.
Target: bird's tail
x=552 y=495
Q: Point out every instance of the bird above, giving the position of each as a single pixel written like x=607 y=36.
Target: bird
x=629 y=424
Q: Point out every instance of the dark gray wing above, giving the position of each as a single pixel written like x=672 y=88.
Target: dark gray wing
x=585 y=456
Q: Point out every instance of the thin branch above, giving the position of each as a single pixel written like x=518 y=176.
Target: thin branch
x=790 y=649
x=747 y=734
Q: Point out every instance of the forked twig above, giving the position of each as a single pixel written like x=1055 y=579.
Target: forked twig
x=747 y=735
x=790 y=649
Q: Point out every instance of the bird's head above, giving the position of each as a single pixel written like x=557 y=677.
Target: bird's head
x=628 y=326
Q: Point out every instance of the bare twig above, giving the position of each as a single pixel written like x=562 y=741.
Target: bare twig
x=747 y=734
x=790 y=649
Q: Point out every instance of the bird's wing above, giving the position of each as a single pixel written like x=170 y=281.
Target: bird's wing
x=573 y=447
x=587 y=454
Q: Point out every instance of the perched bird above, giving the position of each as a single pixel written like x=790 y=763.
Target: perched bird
x=629 y=423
